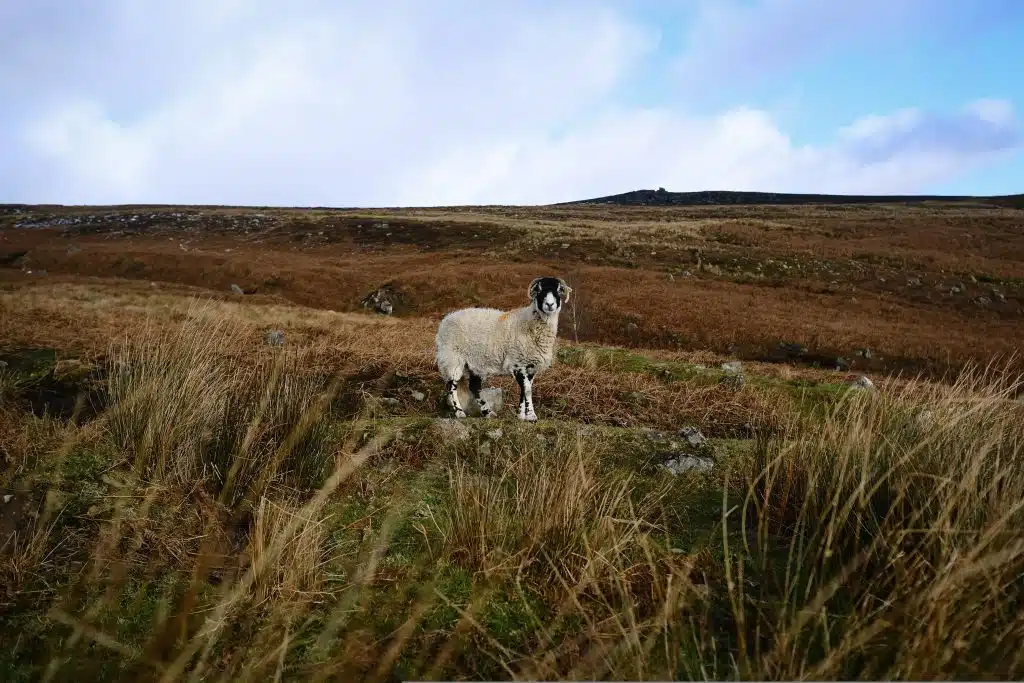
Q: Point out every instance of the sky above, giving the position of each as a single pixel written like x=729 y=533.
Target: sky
x=416 y=103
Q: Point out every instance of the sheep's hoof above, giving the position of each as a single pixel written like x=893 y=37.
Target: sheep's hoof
x=459 y=414
x=528 y=417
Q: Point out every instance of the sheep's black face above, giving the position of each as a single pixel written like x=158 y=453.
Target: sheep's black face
x=548 y=294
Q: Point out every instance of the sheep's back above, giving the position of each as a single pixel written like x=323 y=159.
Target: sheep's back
x=476 y=336
x=468 y=321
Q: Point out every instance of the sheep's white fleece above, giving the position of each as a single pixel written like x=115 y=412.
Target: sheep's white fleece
x=493 y=342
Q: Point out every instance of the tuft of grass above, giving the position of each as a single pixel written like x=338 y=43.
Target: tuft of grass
x=900 y=518
x=299 y=570
x=525 y=505
x=182 y=411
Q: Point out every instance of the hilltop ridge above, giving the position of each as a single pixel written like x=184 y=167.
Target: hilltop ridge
x=662 y=197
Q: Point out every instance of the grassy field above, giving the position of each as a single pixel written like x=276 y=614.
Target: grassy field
x=184 y=501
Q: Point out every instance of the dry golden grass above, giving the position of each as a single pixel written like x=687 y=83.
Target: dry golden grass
x=298 y=570
x=181 y=412
x=851 y=545
x=906 y=514
x=517 y=510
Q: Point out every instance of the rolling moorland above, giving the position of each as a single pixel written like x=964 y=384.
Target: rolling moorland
x=223 y=461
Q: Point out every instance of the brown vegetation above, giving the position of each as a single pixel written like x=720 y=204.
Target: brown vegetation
x=183 y=501
x=926 y=288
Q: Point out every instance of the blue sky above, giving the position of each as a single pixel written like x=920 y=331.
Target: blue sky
x=401 y=102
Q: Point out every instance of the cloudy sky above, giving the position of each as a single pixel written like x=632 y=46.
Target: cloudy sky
x=431 y=102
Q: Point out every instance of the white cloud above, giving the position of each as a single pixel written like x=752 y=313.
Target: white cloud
x=741 y=149
x=461 y=102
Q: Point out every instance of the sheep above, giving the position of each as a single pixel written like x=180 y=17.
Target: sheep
x=476 y=343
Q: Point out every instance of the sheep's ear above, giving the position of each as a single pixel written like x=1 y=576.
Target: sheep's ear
x=564 y=291
x=534 y=288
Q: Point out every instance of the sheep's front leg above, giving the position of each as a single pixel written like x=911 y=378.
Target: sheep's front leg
x=476 y=384
x=524 y=378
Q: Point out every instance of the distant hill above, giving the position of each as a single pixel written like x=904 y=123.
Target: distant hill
x=662 y=197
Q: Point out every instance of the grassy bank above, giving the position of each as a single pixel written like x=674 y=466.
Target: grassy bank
x=234 y=511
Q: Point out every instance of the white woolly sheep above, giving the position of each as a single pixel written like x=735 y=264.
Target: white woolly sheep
x=476 y=343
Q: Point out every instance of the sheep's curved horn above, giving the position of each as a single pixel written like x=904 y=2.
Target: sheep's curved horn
x=564 y=290
x=534 y=288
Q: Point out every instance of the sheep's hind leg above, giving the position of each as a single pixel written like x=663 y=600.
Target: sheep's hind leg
x=452 y=387
x=476 y=384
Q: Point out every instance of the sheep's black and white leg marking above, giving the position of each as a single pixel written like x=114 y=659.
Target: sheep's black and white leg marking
x=452 y=387
x=476 y=384
x=520 y=376
x=524 y=378
x=530 y=372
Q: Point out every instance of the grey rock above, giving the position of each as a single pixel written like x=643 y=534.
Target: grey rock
x=864 y=353
x=237 y=290
x=842 y=364
x=495 y=398
x=451 y=429
x=983 y=301
x=417 y=395
x=693 y=436
x=380 y=302
x=687 y=463
x=914 y=282
x=388 y=401
x=862 y=382
x=495 y=434
x=7 y=498
x=274 y=337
